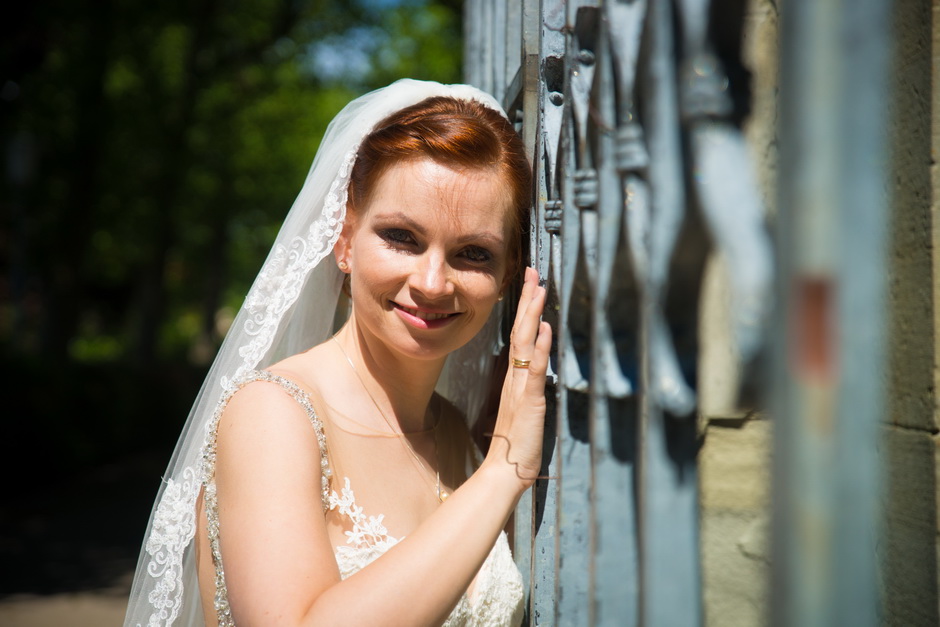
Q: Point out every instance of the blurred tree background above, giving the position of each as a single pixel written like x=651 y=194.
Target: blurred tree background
x=151 y=151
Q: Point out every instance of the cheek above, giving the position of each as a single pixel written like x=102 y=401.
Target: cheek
x=376 y=260
x=480 y=286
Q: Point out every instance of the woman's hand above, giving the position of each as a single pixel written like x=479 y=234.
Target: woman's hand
x=517 y=437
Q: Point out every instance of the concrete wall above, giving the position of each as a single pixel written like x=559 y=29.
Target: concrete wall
x=735 y=479
x=909 y=548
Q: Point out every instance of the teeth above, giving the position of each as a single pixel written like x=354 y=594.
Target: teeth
x=425 y=315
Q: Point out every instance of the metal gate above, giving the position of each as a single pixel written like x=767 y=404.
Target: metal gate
x=632 y=110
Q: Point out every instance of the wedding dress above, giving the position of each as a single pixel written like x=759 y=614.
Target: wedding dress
x=497 y=595
x=292 y=305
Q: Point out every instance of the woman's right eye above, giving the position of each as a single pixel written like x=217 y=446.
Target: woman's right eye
x=397 y=236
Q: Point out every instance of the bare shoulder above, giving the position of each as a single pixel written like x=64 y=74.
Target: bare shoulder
x=261 y=418
x=260 y=398
x=308 y=370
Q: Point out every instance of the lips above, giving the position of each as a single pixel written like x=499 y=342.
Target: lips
x=424 y=315
x=424 y=319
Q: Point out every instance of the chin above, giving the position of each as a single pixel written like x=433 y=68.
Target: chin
x=427 y=350
x=401 y=334
x=429 y=346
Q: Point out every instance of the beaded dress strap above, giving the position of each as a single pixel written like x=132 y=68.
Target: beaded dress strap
x=210 y=496
x=295 y=392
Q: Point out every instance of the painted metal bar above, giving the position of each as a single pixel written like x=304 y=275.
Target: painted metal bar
x=574 y=596
x=487 y=62
x=829 y=355
x=499 y=25
x=668 y=505
x=513 y=37
x=866 y=39
x=531 y=34
x=551 y=101
x=612 y=416
x=472 y=42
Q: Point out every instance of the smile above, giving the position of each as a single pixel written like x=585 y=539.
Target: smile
x=423 y=319
x=424 y=315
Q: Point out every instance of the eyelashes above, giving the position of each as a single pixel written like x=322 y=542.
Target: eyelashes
x=404 y=240
x=397 y=237
x=476 y=254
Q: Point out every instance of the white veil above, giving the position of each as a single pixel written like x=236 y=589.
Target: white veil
x=290 y=307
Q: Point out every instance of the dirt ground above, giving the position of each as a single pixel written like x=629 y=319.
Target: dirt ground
x=75 y=609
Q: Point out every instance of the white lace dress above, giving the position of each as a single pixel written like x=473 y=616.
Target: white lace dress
x=498 y=595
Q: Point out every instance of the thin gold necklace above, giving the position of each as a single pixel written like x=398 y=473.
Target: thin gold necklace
x=372 y=431
x=441 y=495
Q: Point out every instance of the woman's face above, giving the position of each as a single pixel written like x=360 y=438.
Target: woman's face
x=427 y=256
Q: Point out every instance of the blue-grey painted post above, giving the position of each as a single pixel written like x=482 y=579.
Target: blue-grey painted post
x=499 y=22
x=529 y=75
x=544 y=567
x=575 y=593
x=513 y=38
x=612 y=415
x=669 y=508
x=829 y=347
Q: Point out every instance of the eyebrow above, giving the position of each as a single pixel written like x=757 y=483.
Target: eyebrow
x=402 y=217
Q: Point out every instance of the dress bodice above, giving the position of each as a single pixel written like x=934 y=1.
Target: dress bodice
x=497 y=597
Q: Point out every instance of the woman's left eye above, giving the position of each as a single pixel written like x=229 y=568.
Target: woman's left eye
x=477 y=254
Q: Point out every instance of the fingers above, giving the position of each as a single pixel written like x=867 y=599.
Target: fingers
x=535 y=384
x=531 y=341
x=520 y=421
x=528 y=313
x=529 y=285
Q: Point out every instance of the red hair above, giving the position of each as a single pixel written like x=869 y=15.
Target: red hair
x=453 y=133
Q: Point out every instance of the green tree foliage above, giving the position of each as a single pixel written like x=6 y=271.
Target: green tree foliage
x=150 y=151
x=153 y=148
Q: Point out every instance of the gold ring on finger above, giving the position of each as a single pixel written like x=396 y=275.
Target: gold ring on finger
x=520 y=363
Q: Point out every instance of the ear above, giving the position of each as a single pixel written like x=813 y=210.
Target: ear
x=342 y=251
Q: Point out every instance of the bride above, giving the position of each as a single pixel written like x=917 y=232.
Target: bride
x=338 y=484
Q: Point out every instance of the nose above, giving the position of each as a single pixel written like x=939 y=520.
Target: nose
x=432 y=276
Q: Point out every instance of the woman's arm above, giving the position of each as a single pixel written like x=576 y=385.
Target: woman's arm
x=280 y=567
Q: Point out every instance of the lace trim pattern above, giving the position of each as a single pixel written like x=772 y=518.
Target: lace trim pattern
x=281 y=280
x=174 y=525
x=368 y=538
x=499 y=592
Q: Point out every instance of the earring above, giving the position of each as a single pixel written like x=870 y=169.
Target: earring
x=343 y=266
x=500 y=298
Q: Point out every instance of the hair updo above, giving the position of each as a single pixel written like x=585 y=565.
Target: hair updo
x=454 y=133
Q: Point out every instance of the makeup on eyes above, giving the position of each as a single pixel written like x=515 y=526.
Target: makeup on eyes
x=398 y=238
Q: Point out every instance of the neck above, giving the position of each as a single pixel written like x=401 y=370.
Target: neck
x=401 y=387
